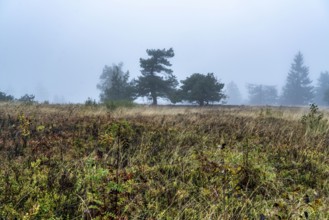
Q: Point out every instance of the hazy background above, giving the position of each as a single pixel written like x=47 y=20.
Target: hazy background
x=56 y=49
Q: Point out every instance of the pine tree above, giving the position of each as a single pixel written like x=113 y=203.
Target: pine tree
x=298 y=89
x=157 y=78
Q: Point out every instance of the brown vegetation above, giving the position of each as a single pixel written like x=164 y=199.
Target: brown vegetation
x=66 y=162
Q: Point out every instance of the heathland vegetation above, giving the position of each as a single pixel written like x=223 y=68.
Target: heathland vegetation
x=85 y=162
x=119 y=160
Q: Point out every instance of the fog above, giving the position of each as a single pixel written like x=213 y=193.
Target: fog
x=57 y=49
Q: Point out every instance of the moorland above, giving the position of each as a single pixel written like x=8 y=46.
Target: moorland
x=238 y=162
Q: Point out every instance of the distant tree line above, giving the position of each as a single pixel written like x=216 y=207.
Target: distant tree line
x=9 y=98
x=262 y=94
x=297 y=91
x=158 y=81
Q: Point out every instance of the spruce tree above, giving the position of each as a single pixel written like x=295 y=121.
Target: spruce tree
x=298 y=89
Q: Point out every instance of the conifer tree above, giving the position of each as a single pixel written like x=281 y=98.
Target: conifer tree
x=298 y=89
x=157 y=78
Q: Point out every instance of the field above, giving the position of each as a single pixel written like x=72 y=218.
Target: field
x=84 y=162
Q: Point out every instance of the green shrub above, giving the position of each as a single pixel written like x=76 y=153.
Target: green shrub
x=314 y=120
x=113 y=105
x=90 y=102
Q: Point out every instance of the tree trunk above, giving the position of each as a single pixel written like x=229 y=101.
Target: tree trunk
x=155 y=101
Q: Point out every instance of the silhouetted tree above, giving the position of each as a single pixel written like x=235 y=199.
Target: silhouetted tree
x=114 y=84
x=298 y=89
x=262 y=94
x=201 y=89
x=321 y=89
x=5 y=98
x=27 y=98
x=233 y=94
x=157 y=79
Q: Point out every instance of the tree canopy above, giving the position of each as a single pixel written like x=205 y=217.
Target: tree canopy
x=114 y=84
x=157 y=78
x=201 y=89
x=4 y=97
x=298 y=89
x=27 y=98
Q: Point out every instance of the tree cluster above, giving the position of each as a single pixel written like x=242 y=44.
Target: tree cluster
x=297 y=91
x=5 y=98
x=262 y=94
x=9 y=98
x=158 y=81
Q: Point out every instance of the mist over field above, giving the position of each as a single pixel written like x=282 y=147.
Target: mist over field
x=166 y=109
x=57 y=49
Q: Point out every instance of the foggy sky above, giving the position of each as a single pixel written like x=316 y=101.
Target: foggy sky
x=56 y=49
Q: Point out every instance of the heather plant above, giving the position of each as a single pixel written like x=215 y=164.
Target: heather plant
x=148 y=163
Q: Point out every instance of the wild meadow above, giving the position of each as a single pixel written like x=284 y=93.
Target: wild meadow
x=89 y=162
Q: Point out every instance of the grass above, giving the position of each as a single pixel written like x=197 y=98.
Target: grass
x=85 y=162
